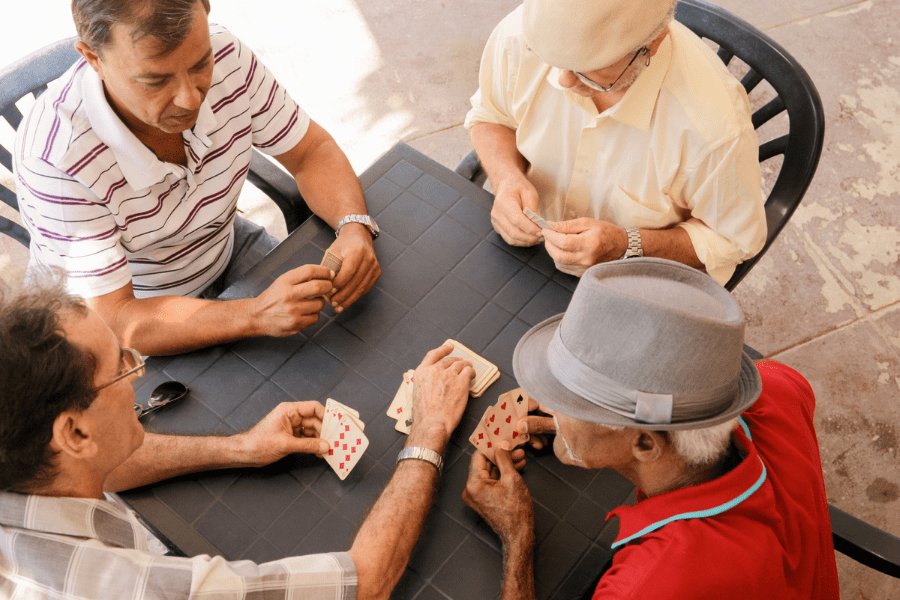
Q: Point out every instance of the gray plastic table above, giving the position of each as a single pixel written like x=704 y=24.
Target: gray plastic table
x=446 y=274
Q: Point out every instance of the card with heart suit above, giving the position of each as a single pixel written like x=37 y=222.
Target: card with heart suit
x=499 y=423
x=486 y=372
x=537 y=219
x=343 y=430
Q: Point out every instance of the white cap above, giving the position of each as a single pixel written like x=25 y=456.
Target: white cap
x=586 y=35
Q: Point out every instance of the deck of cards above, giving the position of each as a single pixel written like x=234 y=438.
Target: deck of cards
x=537 y=219
x=333 y=262
x=486 y=372
x=499 y=423
x=401 y=407
x=343 y=430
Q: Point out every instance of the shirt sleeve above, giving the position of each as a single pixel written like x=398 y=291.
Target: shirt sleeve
x=277 y=122
x=491 y=103
x=728 y=219
x=70 y=229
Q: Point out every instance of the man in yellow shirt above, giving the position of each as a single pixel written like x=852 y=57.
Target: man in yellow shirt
x=624 y=130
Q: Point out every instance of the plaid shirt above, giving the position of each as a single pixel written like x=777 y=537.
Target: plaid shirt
x=79 y=548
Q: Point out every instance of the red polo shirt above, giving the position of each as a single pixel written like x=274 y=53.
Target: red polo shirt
x=760 y=531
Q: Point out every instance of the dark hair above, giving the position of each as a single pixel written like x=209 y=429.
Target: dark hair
x=42 y=375
x=166 y=21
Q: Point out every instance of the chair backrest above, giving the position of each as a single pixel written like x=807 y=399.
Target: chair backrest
x=796 y=94
x=30 y=75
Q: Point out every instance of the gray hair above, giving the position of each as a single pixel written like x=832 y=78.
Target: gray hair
x=698 y=447
x=168 y=22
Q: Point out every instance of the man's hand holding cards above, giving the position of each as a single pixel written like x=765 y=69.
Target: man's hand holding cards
x=537 y=219
x=343 y=430
x=499 y=423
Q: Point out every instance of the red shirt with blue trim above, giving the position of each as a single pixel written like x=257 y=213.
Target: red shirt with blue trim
x=760 y=531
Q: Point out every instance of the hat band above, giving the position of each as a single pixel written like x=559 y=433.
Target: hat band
x=642 y=407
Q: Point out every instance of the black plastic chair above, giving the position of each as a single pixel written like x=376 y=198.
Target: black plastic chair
x=31 y=74
x=796 y=94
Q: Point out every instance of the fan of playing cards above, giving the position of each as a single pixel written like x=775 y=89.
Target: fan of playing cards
x=499 y=423
x=400 y=409
x=343 y=430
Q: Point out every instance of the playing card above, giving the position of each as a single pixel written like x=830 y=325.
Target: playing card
x=507 y=415
x=332 y=261
x=398 y=405
x=481 y=439
x=404 y=424
x=347 y=445
x=537 y=219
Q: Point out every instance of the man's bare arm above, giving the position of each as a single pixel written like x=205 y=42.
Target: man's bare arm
x=331 y=189
x=173 y=324
x=291 y=427
x=384 y=543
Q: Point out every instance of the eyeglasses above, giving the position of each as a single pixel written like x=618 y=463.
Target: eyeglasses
x=133 y=364
x=601 y=88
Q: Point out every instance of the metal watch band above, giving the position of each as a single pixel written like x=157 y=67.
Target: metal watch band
x=364 y=220
x=634 y=243
x=420 y=453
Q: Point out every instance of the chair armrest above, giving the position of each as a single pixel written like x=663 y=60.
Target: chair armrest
x=277 y=184
x=864 y=543
x=470 y=168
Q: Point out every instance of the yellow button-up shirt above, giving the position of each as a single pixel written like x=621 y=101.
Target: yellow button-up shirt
x=678 y=149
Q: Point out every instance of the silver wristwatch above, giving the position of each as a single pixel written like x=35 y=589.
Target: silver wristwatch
x=634 y=243
x=366 y=220
x=420 y=453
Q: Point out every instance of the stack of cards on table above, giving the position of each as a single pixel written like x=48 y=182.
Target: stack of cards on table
x=401 y=407
x=499 y=423
x=343 y=431
x=486 y=373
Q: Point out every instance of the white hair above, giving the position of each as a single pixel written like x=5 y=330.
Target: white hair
x=698 y=447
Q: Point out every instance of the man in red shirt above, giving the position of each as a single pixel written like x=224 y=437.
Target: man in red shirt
x=646 y=373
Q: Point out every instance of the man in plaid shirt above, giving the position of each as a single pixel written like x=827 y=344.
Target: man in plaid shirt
x=68 y=433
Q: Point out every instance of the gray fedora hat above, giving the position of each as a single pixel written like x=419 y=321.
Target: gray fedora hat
x=645 y=342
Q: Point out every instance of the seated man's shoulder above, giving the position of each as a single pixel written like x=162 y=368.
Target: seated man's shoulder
x=57 y=126
x=703 y=86
x=666 y=564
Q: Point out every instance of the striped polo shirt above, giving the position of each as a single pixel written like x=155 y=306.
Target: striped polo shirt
x=102 y=206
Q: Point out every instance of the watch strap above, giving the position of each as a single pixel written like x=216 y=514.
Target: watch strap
x=420 y=453
x=634 y=243
x=365 y=220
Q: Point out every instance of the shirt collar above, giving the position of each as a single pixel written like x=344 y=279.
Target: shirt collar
x=139 y=165
x=636 y=106
x=693 y=502
x=106 y=521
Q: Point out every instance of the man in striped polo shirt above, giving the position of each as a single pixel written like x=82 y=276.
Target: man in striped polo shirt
x=129 y=168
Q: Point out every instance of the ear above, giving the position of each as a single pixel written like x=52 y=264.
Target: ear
x=90 y=56
x=648 y=446
x=72 y=435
